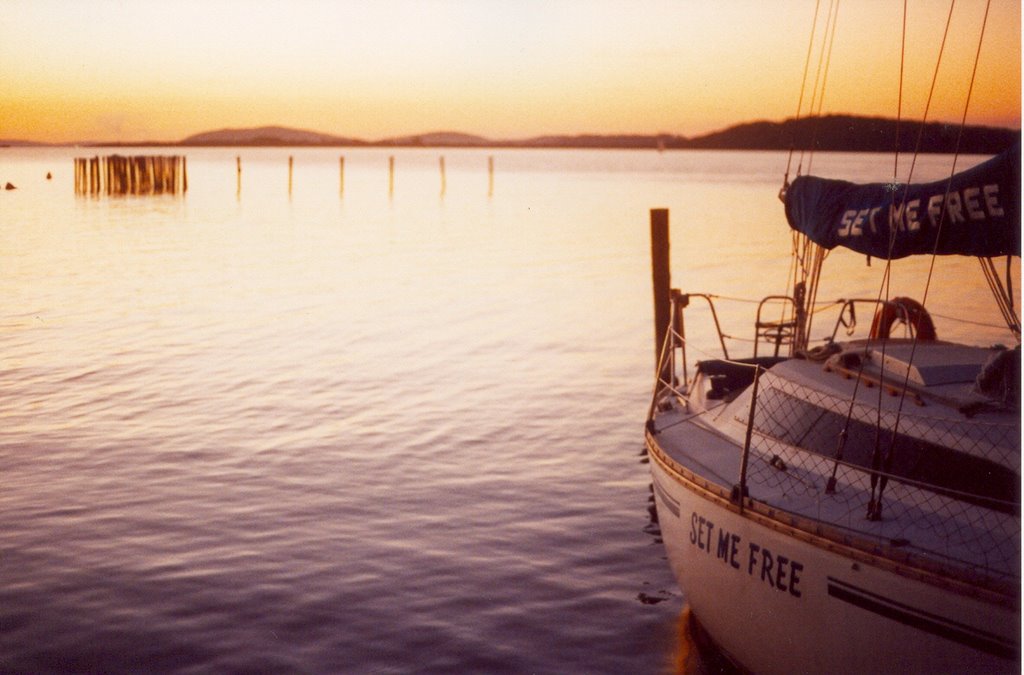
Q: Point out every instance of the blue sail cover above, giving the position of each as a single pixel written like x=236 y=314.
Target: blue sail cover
x=979 y=210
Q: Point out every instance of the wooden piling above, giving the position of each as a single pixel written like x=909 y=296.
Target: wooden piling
x=391 y=175
x=238 y=175
x=140 y=175
x=444 y=183
x=490 y=176
x=341 y=175
x=291 y=162
x=661 y=278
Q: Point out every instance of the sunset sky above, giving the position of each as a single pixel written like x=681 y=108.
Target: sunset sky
x=131 y=70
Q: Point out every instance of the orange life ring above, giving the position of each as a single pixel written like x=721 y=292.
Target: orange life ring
x=900 y=309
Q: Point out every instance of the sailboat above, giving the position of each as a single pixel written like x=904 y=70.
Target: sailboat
x=853 y=506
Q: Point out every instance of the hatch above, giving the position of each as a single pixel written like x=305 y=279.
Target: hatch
x=934 y=364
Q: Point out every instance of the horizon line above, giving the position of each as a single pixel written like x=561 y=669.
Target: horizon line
x=472 y=140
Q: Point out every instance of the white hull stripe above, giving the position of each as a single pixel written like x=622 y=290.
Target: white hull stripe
x=916 y=618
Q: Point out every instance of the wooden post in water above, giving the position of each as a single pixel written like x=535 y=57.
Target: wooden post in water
x=238 y=176
x=341 y=175
x=490 y=176
x=291 y=161
x=661 y=279
x=391 y=175
x=444 y=184
x=136 y=175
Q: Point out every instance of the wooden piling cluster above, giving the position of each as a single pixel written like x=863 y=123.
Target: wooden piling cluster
x=135 y=175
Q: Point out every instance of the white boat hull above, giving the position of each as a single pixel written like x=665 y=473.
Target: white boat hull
x=777 y=600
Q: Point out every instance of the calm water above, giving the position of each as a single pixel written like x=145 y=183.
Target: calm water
x=364 y=433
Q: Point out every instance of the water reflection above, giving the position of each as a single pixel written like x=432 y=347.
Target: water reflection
x=694 y=653
x=400 y=420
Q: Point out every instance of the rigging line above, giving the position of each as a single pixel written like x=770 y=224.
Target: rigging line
x=876 y=458
x=938 y=234
x=804 y=266
x=899 y=103
x=886 y=287
x=958 y=319
x=811 y=298
x=844 y=433
x=817 y=77
x=1003 y=296
x=931 y=92
x=956 y=152
x=824 y=83
x=803 y=86
x=1010 y=285
x=793 y=276
x=986 y=268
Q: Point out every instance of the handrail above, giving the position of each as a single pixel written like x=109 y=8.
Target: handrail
x=675 y=338
x=714 y=315
x=784 y=330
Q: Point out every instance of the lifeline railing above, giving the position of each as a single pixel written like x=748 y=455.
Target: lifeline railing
x=963 y=516
x=780 y=333
x=786 y=331
x=959 y=521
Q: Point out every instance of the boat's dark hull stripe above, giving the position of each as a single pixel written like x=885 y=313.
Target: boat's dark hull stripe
x=936 y=625
x=672 y=504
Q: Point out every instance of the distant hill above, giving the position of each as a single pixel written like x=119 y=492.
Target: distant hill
x=839 y=133
x=850 y=133
x=663 y=141
x=440 y=139
x=843 y=133
x=275 y=136
x=17 y=143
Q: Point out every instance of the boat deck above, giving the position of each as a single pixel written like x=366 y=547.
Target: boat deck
x=704 y=439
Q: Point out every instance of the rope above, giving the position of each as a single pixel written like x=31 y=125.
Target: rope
x=899 y=103
x=1002 y=294
x=883 y=291
x=814 y=90
x=807 y=257
x=938 y=235
x=834 y=18
x=817 y=307
x=931 y=92
x=961 y=320
x=1009 y=284
x=876 y=457
x=803 y=86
